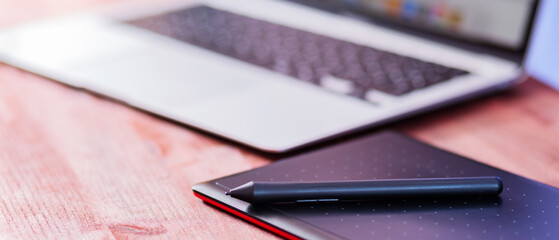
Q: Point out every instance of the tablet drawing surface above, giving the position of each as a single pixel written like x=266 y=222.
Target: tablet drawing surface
x=525 y=209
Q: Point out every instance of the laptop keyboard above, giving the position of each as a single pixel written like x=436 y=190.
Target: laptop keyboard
x=338 y=65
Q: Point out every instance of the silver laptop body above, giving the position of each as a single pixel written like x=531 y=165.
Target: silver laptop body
x=271 y=98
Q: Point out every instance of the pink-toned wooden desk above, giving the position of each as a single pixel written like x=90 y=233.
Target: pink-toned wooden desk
x=75 y=166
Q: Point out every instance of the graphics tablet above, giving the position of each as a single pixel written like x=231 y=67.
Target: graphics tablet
x=525 y=209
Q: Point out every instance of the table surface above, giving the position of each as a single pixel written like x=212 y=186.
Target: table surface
x=73 y=165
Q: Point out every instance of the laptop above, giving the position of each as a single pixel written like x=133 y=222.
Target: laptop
x=278 y=75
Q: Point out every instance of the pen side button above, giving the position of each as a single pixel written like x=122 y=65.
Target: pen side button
x=318 y=200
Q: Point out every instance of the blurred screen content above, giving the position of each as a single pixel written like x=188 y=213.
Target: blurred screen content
x=503 y=23
x=543 y=52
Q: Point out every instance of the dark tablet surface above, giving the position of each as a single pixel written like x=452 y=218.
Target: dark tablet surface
x=525 y=209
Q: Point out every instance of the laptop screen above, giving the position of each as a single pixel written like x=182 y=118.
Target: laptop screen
x=502 y=23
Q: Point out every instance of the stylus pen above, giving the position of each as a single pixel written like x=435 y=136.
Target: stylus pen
x=267 y=192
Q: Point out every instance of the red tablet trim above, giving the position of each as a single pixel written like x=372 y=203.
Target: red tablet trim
x=259 y=223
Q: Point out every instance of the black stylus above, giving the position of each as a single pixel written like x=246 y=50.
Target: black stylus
x=266 y=192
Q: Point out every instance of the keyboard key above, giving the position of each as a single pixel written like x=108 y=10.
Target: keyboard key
x=337 y=84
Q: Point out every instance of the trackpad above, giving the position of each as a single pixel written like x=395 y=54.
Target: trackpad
x=278 y=115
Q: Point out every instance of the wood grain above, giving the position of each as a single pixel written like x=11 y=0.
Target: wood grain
x=75 y=166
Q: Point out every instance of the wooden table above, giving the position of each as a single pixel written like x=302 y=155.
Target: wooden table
x=76 y=166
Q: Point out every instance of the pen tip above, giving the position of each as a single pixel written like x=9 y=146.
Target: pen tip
x=228 y=193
